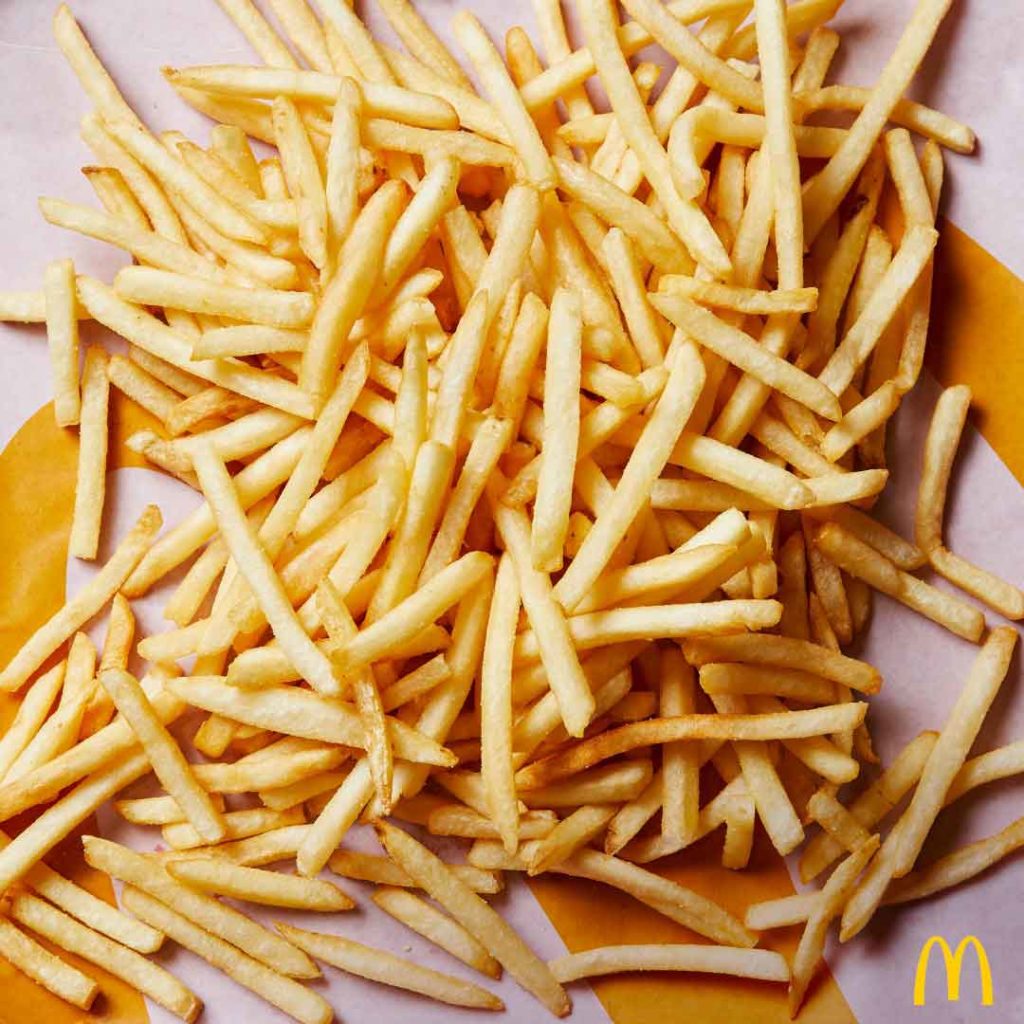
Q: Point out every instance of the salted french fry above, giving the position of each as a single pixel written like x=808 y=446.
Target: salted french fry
x=166 y=757
x=759 y=964
x=476 y=916
x=288 y=995
x=834 y=895
x=644 y=466
x=954 y=742
x=85 y=604
x=571 y=833
x=47 y=970
x=160 y=985
x=735 y=727
x=378 y=965
x=204 y=911
x=944 y=433
x=181 y=835
x=861 y=560
x=445 y=932
x=380 y=870
x=253 y=885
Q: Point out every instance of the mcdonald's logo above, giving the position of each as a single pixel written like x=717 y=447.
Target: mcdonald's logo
x=953 y=962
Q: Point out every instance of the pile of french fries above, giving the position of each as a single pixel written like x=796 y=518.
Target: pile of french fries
x=537 y=448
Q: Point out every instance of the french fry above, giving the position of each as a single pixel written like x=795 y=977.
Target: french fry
x=824 y=195
x=957 y=867
x=760 y=964
x=85 y=604
x=561 y=433
x=204 y=911
x=830 y=903
x=940 y=450
x=644 y=466
x=380 y=870
x=736 y=727
x=253 y=885
x=954 y=742
x=861 y=560
x=686 y=219
x=445 y=932
x=571 y=833
x=378 y=965
x=47 y=970
x=476 y=916
x=181 y=835
x=166 y=757
x=288 y=995
x=160 y=985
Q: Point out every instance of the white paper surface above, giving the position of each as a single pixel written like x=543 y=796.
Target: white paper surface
x=974 y=74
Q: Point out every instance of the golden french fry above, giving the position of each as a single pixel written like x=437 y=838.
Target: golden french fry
x=388 y=969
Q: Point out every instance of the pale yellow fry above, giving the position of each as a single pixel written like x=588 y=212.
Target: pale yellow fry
x=507 y=101
x=740 y=349
x=341 y=628
x=92 y=75
x=85 y=604
x=648 y=232
x=147 y=332
x=561 y=433
x=685 y=218
x=46 y=969
x=166 y=757
x=434 y=197
x=741 y=300
x=680 y=762
x=826 y=191
x=435 y=926
x=857 y=423
x=180 y=835
x=568 y=836
x=380 y=966
x=421 y=41
x=345 y=296
x=254 y=564
x=653 y=449
x=496 y=704
x=270 y=888
x=957 y=867
x=32 y=713
x=179 y=179
x=566 y=678
x=834 y=895
x=861 y=560
x=476 y=916
x=860 y=340
x=940 y=449
x=368 y=867
x=62 y=337
x=90 y=485
x=258 y=33
x=489 y=442
x=303 y=177
x=288 y=995
x=415 y=613
x=759 y=964
x=160 y=985
x=954 y=742
x=871 y=806
x=299 y=712
x=342 y=177
x=219 y=919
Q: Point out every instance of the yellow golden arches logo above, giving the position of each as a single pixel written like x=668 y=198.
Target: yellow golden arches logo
x=953 y=962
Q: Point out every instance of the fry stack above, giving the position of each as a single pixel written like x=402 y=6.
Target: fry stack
x=537 y=445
